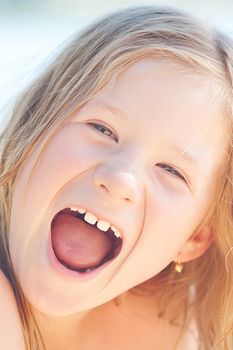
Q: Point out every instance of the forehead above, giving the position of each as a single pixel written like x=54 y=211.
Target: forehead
x=170 y=104
x=164 y=83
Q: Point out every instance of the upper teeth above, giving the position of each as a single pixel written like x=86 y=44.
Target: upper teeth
x=101 y=224
x=90 y=218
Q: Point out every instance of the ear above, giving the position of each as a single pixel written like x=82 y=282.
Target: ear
x=196 y=245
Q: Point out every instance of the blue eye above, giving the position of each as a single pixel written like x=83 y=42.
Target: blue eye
x=171 y=170
x=104 y=130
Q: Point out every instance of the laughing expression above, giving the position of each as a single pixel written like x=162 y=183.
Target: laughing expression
x=141 y=156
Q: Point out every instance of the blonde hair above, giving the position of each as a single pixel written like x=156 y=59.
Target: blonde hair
x=85 y=67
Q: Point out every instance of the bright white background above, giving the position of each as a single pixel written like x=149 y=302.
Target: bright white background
x=30 y=30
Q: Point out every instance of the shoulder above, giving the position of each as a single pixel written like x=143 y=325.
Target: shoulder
x=11 y=335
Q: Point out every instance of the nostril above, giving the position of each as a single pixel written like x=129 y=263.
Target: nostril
x=104 y=187
x=116 y=183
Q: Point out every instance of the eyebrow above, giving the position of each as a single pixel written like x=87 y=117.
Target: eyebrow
x=112 y=109
x=176 y=150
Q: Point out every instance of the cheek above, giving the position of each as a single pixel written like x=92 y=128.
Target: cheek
x=41 y=180
x=170 y=200
x=167 y=226
x=171 y=218
x=66 y=156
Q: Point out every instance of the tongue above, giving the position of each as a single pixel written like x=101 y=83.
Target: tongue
x=78 y=244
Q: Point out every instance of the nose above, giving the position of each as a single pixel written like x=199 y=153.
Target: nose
x=118 y=182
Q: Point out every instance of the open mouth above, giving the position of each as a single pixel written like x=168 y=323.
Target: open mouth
x=81 y=246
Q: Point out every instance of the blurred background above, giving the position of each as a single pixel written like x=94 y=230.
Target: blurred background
x=31 y=30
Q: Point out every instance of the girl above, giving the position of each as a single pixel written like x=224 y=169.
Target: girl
x=116 y=191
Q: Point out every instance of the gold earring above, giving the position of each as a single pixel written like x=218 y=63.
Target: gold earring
x=179 y=266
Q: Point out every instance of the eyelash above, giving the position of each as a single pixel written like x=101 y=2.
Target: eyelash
x=101 y=126
x=172 y=170
x=167 y=167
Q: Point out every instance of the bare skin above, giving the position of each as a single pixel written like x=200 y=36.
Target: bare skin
x=148 y=170
x=11 y=336
x=131 y=321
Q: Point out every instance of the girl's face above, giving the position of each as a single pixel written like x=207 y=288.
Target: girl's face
x=143 y=155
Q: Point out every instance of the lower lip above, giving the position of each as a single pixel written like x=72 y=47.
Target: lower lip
x=61 y=269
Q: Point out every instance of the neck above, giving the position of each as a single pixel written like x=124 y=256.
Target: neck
x=73 y=331
x=58 y=331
